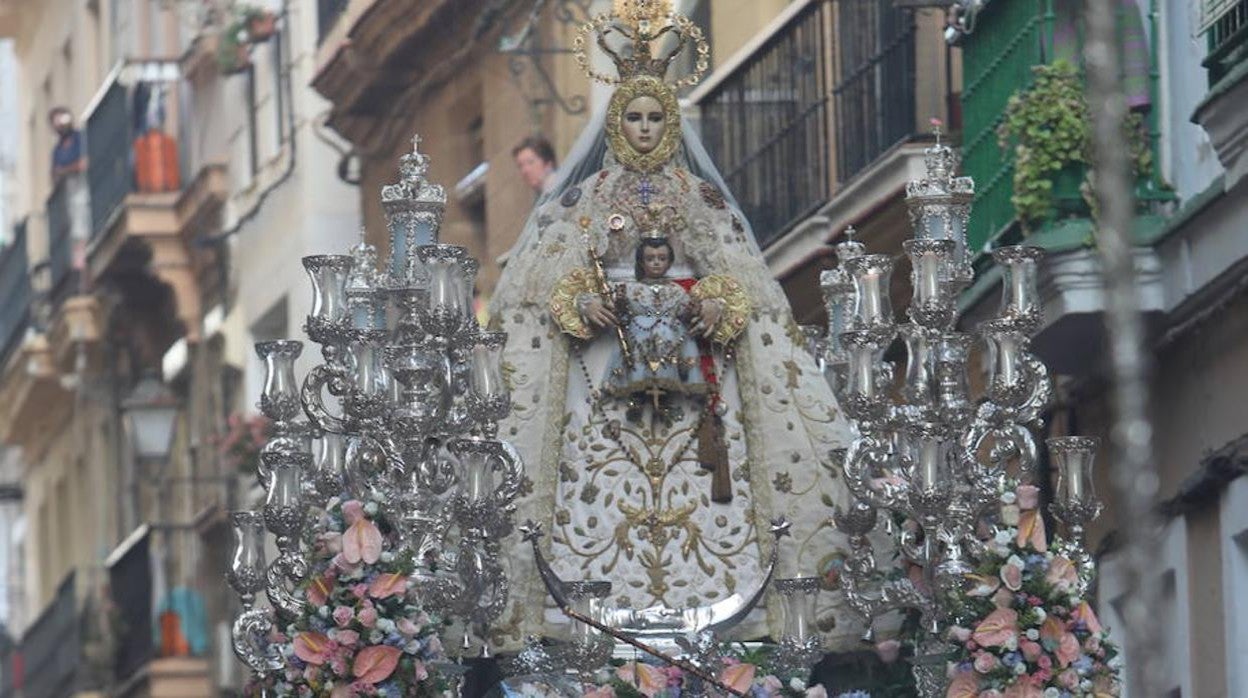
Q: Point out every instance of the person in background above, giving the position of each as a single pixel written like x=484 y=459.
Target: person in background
x=69 y=170
x=535 y=159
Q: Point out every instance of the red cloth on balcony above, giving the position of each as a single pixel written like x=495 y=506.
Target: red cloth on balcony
x=156 y=162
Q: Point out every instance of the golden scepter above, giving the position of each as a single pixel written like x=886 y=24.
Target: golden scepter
x=604 y=290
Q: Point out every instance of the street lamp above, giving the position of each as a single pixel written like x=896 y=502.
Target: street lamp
x=150 y=412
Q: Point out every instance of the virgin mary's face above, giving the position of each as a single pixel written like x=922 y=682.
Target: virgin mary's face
x=644 y=123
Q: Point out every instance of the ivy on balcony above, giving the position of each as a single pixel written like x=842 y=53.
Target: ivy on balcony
x=1011 y=39
x=1047 y=129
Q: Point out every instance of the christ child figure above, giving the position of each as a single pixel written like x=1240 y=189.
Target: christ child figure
x=662 y=324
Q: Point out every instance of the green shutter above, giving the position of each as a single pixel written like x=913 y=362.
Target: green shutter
x=1010 y=37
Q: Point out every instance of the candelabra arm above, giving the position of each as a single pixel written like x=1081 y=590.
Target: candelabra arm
x=1041 y=390
x=286 y=568
x=858 y=459
x=317 y=380
x=247 y=632
x=513 y=473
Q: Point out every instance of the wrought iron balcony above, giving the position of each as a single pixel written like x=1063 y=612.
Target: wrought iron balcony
x=133 y=140
x=1009 y=39
x=1226 y=24
x=15 y=290
x=810 y=108
x=51 y=651
x=60 y=242
x=150 y=193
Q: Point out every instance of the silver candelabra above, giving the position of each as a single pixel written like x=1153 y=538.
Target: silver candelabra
x=403 y=410
x=929 y=458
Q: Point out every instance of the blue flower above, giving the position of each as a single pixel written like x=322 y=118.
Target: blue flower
x=1011 y=659
x=1083 y=664
x=854 y=694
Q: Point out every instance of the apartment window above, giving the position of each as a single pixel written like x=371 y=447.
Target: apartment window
x=1234 y=520
x=1172 y=611
x=1226 y=24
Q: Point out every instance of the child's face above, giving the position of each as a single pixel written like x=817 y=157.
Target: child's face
x=655 y=261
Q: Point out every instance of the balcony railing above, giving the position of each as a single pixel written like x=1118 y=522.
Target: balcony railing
x=14 y=292
x=767 y=125
x=327 y=13
x=875 y=93
x=1227 y=28
x=1010 y=38
x=60 y=241
x=132 y=143
x=809 y=110
x=51 y=651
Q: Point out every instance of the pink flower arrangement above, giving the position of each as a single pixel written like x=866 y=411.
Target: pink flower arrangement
x=361 y=632
x=1022 y=630
x=639 y=679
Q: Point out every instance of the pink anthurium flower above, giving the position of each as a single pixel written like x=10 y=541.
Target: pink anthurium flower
x=997 y=628
x=963 y=685
x=375 y=664
x=313 y=648
x=362 y=543
x=1085 y=613
x=387 y=585
x=1031 y=531
x=1061 y=573
x=352 y=511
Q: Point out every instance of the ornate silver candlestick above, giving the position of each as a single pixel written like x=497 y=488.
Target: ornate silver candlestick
x=934 y=457
x=404 y=410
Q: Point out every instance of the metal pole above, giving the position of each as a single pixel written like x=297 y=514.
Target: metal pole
x=1133 y=471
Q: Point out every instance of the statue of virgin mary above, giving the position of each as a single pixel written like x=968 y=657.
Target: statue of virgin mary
x=660 y=480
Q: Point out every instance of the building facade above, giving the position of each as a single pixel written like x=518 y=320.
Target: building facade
x=1184 y=67
x=206 y=174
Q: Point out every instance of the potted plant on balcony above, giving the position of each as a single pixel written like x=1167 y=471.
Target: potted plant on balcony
x=1048 y=128
x=260 y=24
x=233 y=51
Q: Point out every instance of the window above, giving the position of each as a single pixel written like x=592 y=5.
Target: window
x=1235 y=584
x=1226 y=23
x=1172 y=612
x=1213 y=11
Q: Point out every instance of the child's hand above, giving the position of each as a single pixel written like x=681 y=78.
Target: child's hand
x=709 y=312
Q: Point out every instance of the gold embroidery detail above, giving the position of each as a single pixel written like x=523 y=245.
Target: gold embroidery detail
x=563 y=302
x=737 y=306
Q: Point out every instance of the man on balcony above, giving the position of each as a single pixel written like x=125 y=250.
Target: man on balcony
x=69 y=170
x=535 y=160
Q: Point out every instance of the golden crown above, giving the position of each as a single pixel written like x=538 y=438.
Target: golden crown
x=642 y=24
